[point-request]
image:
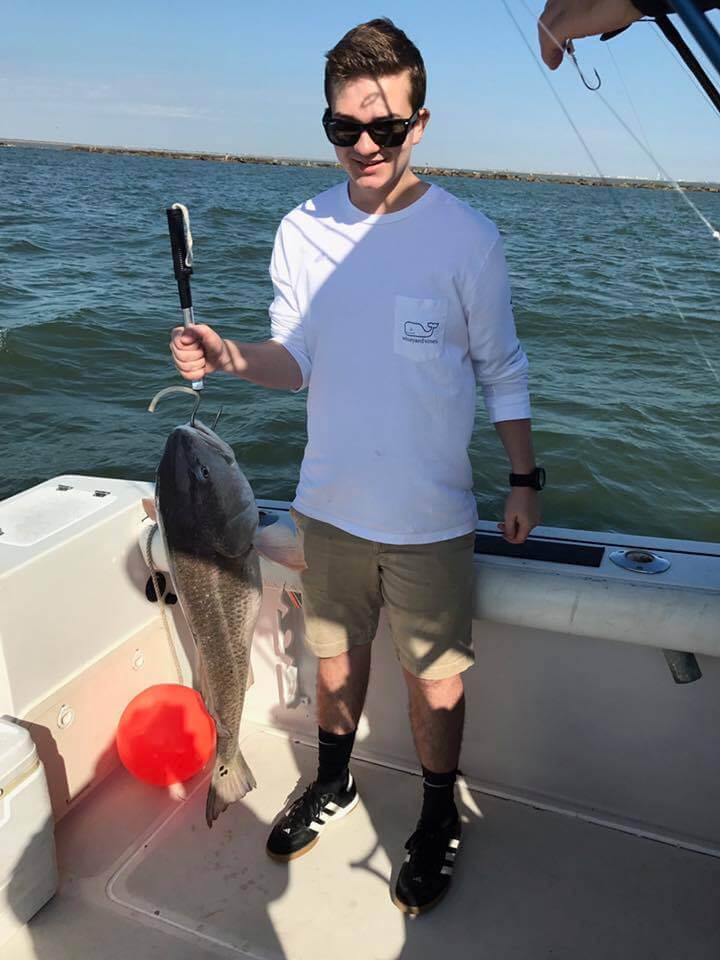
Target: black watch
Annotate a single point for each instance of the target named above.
(536, 479)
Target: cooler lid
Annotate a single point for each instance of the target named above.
(17, 751)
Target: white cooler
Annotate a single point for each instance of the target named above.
(28, 871)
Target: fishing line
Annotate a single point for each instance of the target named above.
(703, 286)
(714, 232)
(629, 96)
(161, 602)
(613, 192)
(683, 69)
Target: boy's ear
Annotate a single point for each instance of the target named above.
(422, 122)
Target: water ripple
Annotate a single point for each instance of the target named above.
(625, 409)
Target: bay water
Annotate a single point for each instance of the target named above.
(616, 296)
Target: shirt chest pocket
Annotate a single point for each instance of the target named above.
(419, 328)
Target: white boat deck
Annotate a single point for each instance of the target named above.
(142, 877)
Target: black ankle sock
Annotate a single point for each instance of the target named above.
(438, 797)
(334, 751)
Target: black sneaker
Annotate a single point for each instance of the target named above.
(425, 875)
(299, 828)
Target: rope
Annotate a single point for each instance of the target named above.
(161, 603)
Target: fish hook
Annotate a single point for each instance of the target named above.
(198, 398)
(570, 51)
(215, 421)
(164, 392)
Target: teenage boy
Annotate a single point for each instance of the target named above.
(391, 300)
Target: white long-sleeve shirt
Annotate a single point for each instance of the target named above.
(392, 319)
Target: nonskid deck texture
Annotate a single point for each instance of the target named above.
(143, 877)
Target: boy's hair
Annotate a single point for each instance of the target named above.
(375, 49)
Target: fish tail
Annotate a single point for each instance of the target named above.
(230, 782)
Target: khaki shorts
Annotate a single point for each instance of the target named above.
(427, 589)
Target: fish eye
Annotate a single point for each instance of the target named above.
(205, 472)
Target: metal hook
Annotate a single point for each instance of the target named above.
(570, 51)
(198, 398)
(163, 393)
(215, 421)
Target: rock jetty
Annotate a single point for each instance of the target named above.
(427, 171)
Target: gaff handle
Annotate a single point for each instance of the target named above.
(179, 247)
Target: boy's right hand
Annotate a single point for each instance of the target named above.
(197, 351)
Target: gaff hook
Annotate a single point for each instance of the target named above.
(569, 49)
(167, 390)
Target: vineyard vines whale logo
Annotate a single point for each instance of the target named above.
(420, 331)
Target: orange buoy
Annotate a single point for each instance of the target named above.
(165, 734)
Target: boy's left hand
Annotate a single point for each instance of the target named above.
(522, 513)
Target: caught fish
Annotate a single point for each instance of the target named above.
(208, 516)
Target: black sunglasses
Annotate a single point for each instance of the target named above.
(385, 132)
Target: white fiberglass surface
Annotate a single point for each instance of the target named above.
(46, 510)
(528, 884)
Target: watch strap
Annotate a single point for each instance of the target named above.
(535, 479)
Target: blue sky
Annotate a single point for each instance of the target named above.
(247, 78)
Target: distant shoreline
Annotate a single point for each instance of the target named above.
(507, 175)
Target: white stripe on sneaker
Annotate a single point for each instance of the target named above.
(447, 871)
(344, 811)
(454, 844)
(325, 816)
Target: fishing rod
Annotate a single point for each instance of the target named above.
(701, 28)
(674, 37)
(181, 245)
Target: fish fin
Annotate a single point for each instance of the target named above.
(250, 677)
(281, 542)
(204, 686)
(177, 791)
(149, 507)
(230, 782)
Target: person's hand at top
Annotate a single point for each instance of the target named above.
(564, 20)
(197, 351)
